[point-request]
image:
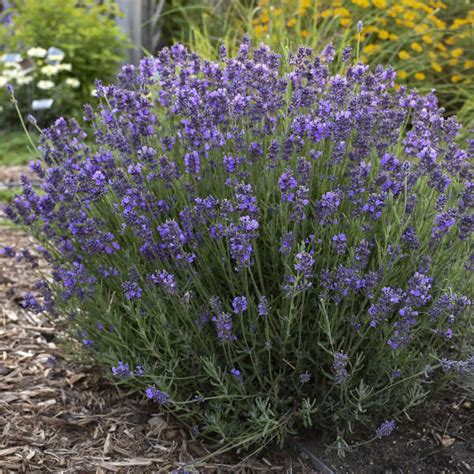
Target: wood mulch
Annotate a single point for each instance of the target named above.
(10, 176)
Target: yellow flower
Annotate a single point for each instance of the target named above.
(326, 13)
(384, 34)
(304, 33)
(453, 62)
(370, 29)
(345, 22)
(441, 47)
(277, 12)
(393, 37)
(421, 28)
(291, 22)
(410, 24)
(404, 54)
(456, 78)
(420, 76)
(261, 29)
(361, 3)
(468, 64)
(436, 67)
(440, 24)
(379, 3)
(425, 8)
(457, 23)
(456, 53)
(341, 11)
(371, 48)
(402, 74)
(409, 15)
(428, 39)
(264, 18)
(417, 47)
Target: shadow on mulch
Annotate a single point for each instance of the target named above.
(58, 416)
(437, 439)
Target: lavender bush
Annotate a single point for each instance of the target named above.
(260, 243)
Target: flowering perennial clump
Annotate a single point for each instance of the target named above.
(257, 244)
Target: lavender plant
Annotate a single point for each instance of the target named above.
(260, 243)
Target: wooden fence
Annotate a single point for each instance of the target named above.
(141, 23)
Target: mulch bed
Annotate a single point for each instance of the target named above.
(60, 416)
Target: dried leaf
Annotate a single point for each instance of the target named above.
(76, 378)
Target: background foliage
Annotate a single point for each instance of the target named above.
(86, 31)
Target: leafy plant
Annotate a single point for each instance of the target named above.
(39, 77)
(260, 243)
(87, 31)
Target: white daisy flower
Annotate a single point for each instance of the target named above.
(45, 85)
(36, 52)
(73, 82)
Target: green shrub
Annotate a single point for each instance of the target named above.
(260, 244)
(37, 75)
(86, 31)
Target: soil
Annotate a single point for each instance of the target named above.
(59, 416)
(437, 439)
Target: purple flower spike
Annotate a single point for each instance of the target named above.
(385, 429)
(305, 377)
(157, 396)
(122, 370)
(239, 304)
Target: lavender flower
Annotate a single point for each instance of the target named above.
(304, 264)
(305, 377)
(385, 429)
(192, 162)
(157, 396)
(239, 304)
(459, 366)
(341, 359)
(287, 184)
(328, 206)
(443, 222)
(340, 243)
(346, 54)
(263, 306)
(237, 375)
(7, 251)
(223, 324)
(131, 290)
(165, 280)
(287, 243)
(122, 370)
